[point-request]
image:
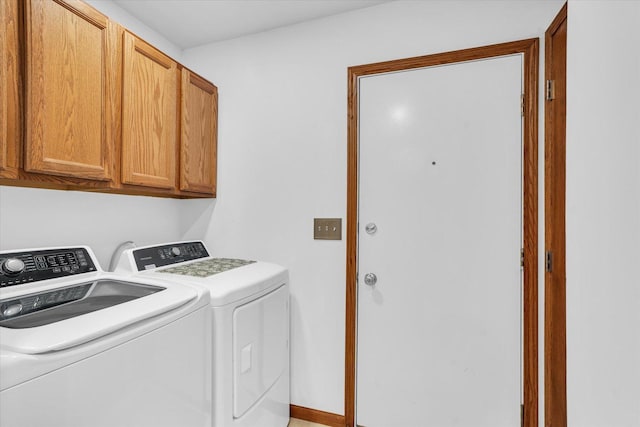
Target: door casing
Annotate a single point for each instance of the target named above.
(530, 50)
(555, 322)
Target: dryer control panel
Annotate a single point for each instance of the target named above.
(153, 257)
(17, 268)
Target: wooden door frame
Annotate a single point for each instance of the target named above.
(529, 49)
(555, 310)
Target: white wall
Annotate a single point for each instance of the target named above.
(603, 214)
(37, 217)
(282, 148)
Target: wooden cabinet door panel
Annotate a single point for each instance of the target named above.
(149, 116)
(10, 84)
(71, 91)
(198, 139)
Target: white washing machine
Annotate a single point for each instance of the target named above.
(83, 348)
(250, 312)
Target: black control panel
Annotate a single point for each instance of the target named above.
(160, 256)
(31, 303)
(17, 268)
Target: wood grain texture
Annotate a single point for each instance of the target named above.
(31, 180)
(73, 140)
(530, 235)
(69, 56)
(39, 180)
(352, 250)
(316, 416)
(198, 134)
(529, 49)
(11, 84)
(114, 113)
(149, 116)
(555, 372)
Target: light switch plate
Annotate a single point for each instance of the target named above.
(327, 228)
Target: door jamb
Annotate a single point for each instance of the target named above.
(530, 50)
(555, 322)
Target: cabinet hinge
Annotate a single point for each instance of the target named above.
(522, 105)
(521, 257)
(549, 261)
(551, 90)
(521, 415)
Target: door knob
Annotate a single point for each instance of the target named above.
(370, 279)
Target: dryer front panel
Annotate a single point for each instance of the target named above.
(260, 347)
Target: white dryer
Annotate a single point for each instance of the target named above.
(80, 347)
(250, 312)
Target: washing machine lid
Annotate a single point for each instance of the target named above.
(85, 311)
(227, 280)
(232, 285)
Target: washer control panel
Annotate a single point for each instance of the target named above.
(159, 256)
(36, 302)
(17, 268)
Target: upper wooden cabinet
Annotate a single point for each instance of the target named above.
(72, 73)
(149, 115)
(86, 105)
(198, 134)
(10, 124)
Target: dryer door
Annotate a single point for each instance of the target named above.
(260, 347)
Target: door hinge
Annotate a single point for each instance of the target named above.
(521, 415)
(551, 90)
(521, 257)
(522, 105)
(549, 261)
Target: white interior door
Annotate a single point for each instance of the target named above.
(439, 334)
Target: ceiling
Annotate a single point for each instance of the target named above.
(189, 23)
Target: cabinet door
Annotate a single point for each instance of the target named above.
(10, 84)
(149, 116)
(198, 136)
(72, 89)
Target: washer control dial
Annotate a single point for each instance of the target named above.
(175, 251)
(12, 266)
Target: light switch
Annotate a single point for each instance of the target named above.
(327, 228)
